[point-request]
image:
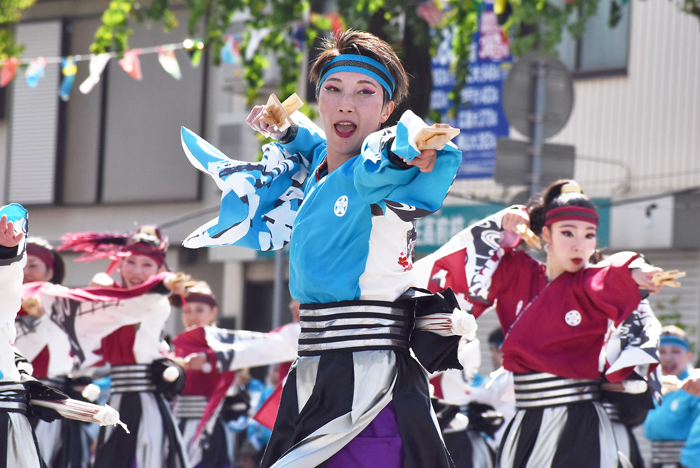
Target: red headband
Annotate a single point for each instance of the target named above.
(140, 248)
(203, 298)
(137, 248)
(44, 254)
(576, 213)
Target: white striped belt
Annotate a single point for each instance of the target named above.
(666, 451)
(13, 398)
(354, 326)
(542, 389)
(132, 378)
(190, 406)
(613, 412)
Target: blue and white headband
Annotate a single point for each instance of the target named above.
(359, 64)
(672, 340)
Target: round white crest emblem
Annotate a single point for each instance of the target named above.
(573, 318)
(341, 206)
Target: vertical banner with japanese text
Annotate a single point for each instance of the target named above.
(481, 118)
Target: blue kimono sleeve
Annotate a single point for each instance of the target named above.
(407, 192)
(690, 455)
(304, 139)
(259, 199)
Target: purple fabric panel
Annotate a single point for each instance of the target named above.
(378, 445)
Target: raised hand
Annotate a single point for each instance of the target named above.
(255, 122)
(692, 384)
(8, 238)
(425, 161)
(32, 306)
(514, 218)
(644, 277)
(176, 282)
(195, 361)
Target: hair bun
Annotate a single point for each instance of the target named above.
(198, 287)
(571, 187)
(149, 230)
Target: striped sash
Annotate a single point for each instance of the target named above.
(13, 398)
(541, 390)
(190, 406)
(666, 451)
(613, 412)
(132, 378)
(354, 326)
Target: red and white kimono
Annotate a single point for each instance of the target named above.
(41, 341)
(64, 442)
(18, 445)
(124, 327)
(555, 336)
(199, 404)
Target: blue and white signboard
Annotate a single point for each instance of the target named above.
(481, 118)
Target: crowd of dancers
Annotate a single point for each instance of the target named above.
(378, 367)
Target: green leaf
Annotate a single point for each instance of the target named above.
(615, 14)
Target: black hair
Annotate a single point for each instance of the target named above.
(496, 336)
(363, 43)
(59, 266)
(551, 198)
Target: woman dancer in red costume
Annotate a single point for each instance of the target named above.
(63, 443)
(123, 325)
(556, 317)
(211, 356)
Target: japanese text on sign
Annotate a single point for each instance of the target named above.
(481, 118)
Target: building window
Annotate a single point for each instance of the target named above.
(120, 143)
(601, 50)
(34, 128)
(123, 138)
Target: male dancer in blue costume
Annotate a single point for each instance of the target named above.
(355, 396)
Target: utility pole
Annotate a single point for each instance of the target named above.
(539, 72)
(278, 290)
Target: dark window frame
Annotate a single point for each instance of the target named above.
(593, 73)
(61, 145)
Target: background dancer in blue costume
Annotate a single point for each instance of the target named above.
(355, 396)
(674, 426)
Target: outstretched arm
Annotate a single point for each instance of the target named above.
(259, 199)
(230, 350)
(468, 262)
(302, 138)
(394, 175)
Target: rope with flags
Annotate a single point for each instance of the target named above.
(131, 64)
(432, 11)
